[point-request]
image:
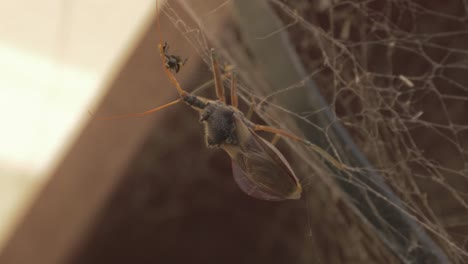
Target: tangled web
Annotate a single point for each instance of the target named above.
(394, 75)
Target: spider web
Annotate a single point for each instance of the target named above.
(393, 74)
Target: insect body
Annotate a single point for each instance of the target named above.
(259, 168)
(173, 62)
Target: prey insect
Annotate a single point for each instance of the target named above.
(173, 62)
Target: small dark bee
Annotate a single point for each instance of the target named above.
(173, 62)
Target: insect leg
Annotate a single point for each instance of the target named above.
(251, 108)
(320, 151)
(234, 99)
(217, 77)
(277, 137)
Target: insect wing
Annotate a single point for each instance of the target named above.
(262, 172)
(251, 188)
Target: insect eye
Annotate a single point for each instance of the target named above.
(205, 115)
(211, 142)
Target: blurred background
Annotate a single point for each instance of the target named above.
(57, 58)
(379, 84)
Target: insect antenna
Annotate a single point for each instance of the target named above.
(138, 114)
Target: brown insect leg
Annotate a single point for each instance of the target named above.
(251, 108)
(314, 147)
(234, 99)
(217, 77)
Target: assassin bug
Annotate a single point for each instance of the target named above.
(258, 167)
